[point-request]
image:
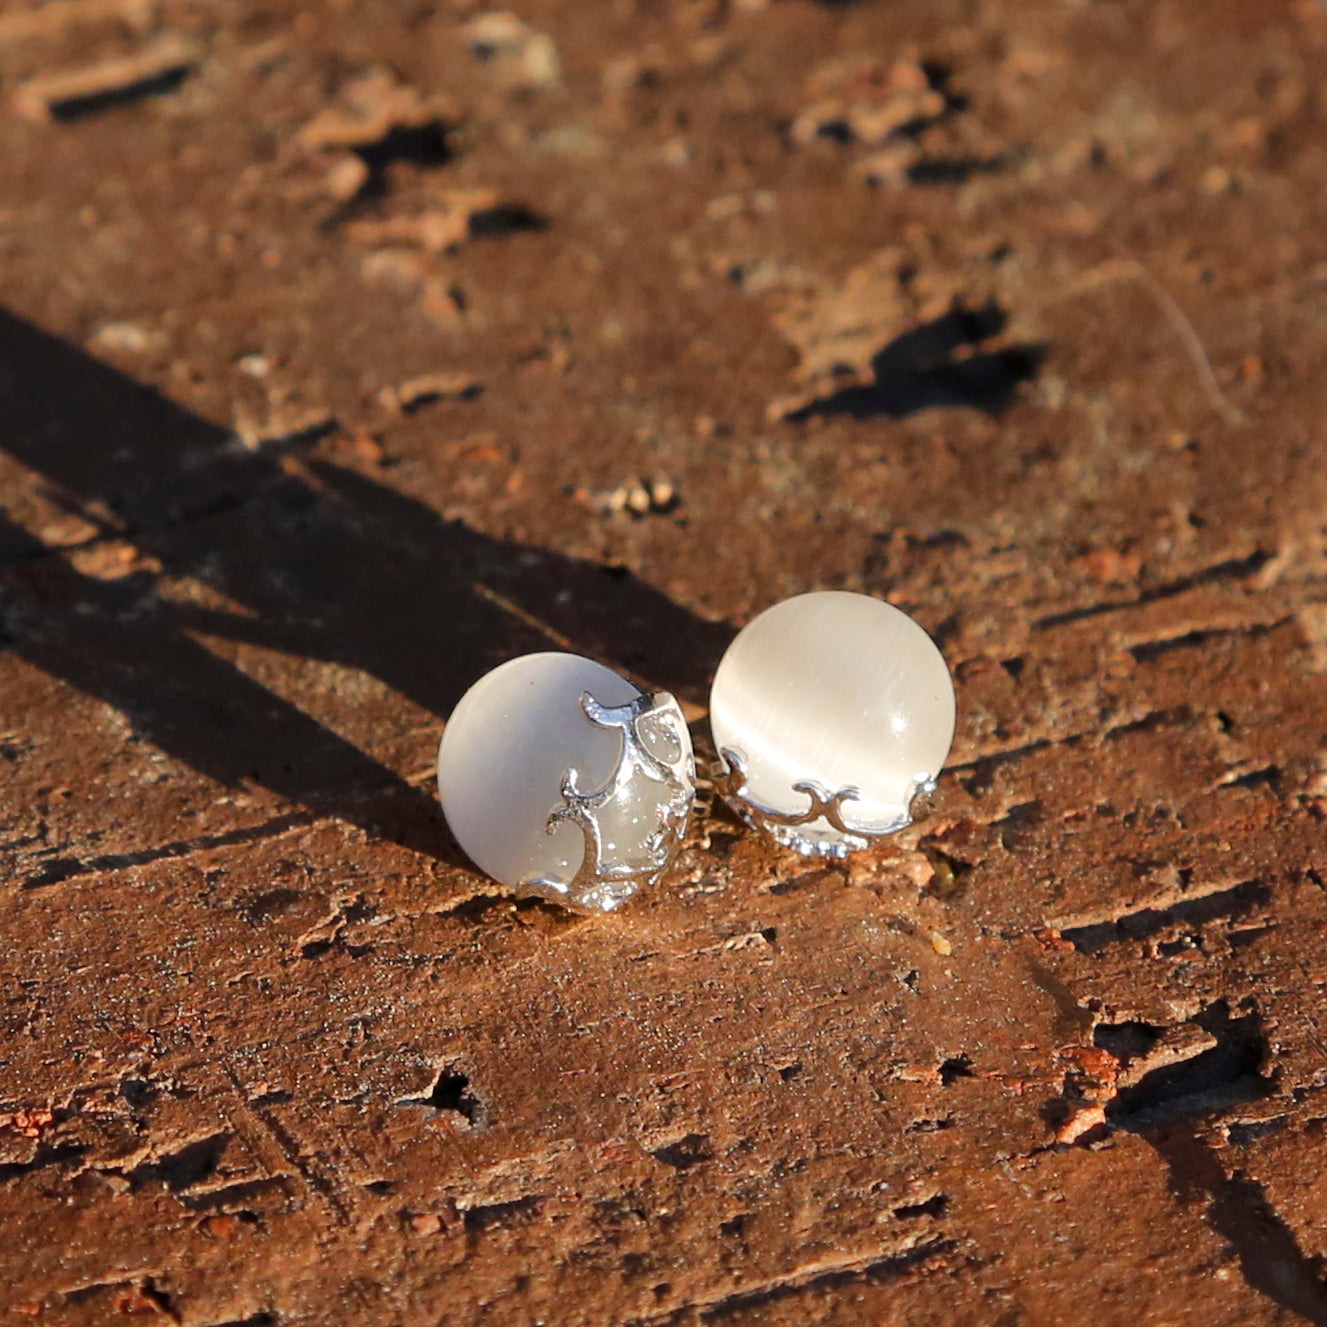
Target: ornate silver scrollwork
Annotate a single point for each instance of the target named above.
(610, 872)
(797, 829)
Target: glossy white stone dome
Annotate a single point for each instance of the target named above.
(840, 690)
(507, 750)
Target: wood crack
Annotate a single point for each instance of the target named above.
(812, 1279)
(63, 869)
(1227, 570)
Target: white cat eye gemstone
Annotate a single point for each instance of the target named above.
(832, 712)
(560, 778)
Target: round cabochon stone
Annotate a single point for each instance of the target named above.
(512, 743)
(839, 690)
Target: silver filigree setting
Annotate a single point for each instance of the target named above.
(821, 830)
(656, 748)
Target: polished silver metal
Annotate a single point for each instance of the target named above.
(797, 829)
(604, 880)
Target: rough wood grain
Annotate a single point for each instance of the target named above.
(1014, 313)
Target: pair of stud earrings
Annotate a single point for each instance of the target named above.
(831, 712)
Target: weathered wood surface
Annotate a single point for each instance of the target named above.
(1015, 313)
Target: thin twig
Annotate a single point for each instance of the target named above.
(1132, 269)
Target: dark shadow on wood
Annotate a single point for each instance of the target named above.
(952, 170)
(940, 363)
(1166, 1108)
(70, 109)
(1239, 1210)
(329, 565)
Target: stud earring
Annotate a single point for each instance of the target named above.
(832, 712)
(562, 780)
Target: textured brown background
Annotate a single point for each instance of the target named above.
(1012, 311)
